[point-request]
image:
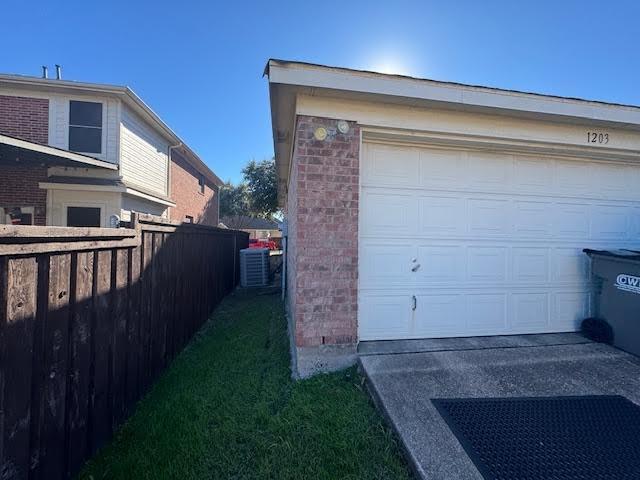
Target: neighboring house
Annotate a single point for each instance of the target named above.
(425, 209)
(259, 228)
(78, 154)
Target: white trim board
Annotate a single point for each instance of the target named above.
(402, 87)
(83, 187)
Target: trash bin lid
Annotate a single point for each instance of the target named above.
(622, 253)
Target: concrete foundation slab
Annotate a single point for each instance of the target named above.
(325, 358)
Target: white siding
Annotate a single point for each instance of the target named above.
(143, 154)
(135, 204)
(59, 124)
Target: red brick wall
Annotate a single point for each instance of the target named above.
(291, 213)
(26, 118)
(323, 229)
(19, 188)
(185, 192)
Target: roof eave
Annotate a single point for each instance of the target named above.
(82, 160)
(351, 80)
(289, 79)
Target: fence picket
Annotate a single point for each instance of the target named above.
(119, 349)
(55, 375)
(79, 359)
(88, 320)
(20, 303)
(133, 329)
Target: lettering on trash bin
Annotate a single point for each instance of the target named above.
(628, 283)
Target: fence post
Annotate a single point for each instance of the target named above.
(235, 259)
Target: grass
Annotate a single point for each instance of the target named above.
(228, 409)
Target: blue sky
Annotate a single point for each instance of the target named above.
(199, 63)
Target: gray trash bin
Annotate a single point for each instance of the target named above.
(617, 274)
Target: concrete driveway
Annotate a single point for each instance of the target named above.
(404, 376)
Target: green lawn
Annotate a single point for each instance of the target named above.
(227, 408)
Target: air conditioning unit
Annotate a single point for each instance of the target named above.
(254, 267)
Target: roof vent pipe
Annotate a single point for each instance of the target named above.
(58, 72)
(45, 71)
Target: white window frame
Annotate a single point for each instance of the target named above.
(101, 206)
(103, 135)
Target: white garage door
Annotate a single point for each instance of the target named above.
(495, 240)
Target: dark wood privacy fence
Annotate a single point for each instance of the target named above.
(88, 319)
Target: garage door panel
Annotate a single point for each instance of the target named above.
(441, 216)
(570, 308)
(441, 264)
(635, 223)
(575, 178)
(616, 181)
(533, 175)
(487, 264)
(610, 222)
(532, 219)
(531, 265)
(385, 316)
(486, 312)
(489, 171)
(489, 217)
(439, 168)
(384, 213)
(570, 265)
(385, 264)
(571, 220)
(439, 315)
(392, 166)
(633, 177)
(498, 238)
(530, 312)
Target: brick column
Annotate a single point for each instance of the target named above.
(323, 222)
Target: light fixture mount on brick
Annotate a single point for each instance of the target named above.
(320, 133)
(343, 126)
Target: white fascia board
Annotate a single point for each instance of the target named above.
(146, 196)
(57, 152)
(429, 90)
(83, 187)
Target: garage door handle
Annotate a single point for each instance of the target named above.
(414, 302)
(415, 268)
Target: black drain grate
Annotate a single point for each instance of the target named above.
(548, 438)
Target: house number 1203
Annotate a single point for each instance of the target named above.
(598, 137)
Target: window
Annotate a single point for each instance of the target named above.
(85, 127)
(17, 215)
(188, 219)
(83, 216)
(201, 183)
